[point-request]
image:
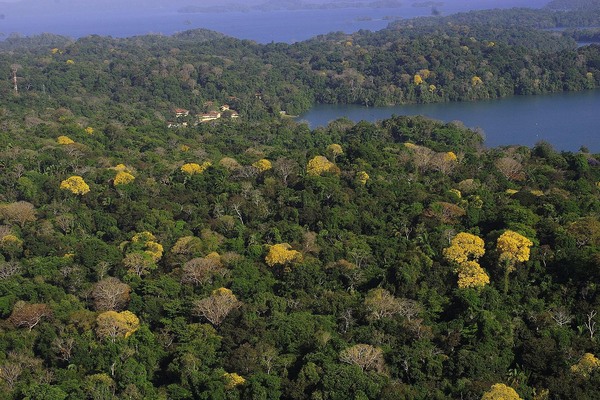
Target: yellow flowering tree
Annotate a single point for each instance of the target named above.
(335, 150)
(445, 162)
(362, 177)
(319, 165)
(11, 245)
(417, 79)
(111, 325)
(123, 178)
(500, 391)
(154, 250)
(586, 365)
(89, 130)
(232, 380)
(193, 168)
(64, 140)
(146, 242)
(143, 237)
(513, 248)
(282, 254)
(456, 193)
(465, 249)
(121, 167)
(450, 156)
(75, 184)
(262, 165)
(471, 275)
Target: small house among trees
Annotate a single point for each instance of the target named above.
(209, 116)
(181, 112)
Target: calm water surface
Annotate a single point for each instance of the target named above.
(261, 26)
(566, 120)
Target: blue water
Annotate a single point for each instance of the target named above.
(263, 27)
(260, 26)
(566, 120)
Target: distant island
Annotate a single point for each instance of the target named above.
(273, 5)
(574, 5)
(425, 4)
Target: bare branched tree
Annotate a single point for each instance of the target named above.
(110, 294)
(561, 316)
(216, 307)
(367, 357)
(590, 324)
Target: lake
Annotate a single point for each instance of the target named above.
(566, 120)
(261, 26)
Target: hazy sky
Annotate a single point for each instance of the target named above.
(170, 3)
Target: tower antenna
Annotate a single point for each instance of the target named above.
(14, 68)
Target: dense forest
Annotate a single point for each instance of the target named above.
(255, 258)
(472, 56)
(569, 5)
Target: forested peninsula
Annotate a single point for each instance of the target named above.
(150, 249)
(465, 57)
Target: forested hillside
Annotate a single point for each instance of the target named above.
(264, 260)
(145, 255)
(470, 56)
(585, 5)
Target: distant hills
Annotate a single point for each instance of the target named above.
(574, 5)
(276, 5)
(193, 6)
